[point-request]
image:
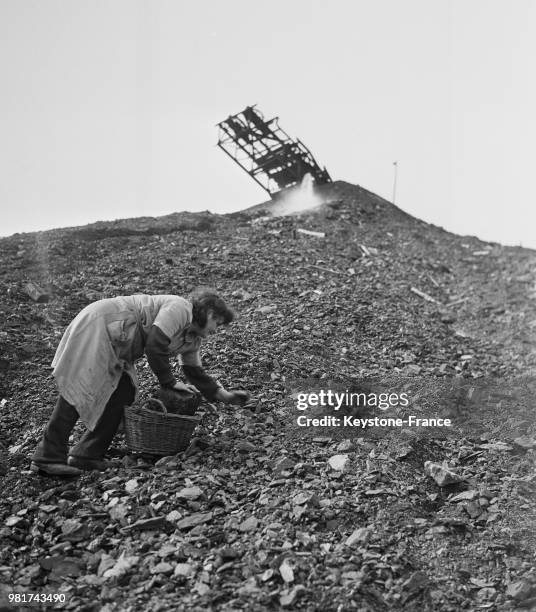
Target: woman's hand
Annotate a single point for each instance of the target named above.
(240, 397)
(182, 387)
(232, 397)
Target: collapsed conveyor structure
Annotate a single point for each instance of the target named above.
(266, 152)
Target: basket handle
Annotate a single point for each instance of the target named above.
(185, 393)
(160, 403)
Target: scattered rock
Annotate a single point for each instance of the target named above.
(345, 446)
(183, 569)
(286, 571)
(122, 566)
(194, 519)
(441, 474)
(524, 443)
(131, 485)
(74, 531)
(229, 553)
(305, 498)
(496, 446)
(403, 452)
(338, 462)
(250, 524)
(243, 446)
(288, 598)
(154, 523)
(13, 521)
(486, 594)
(464, 496)
(118, 512)
(520, 590)
(61, 567)
(415, 583)
(283, 465)
(190, 493)
(242, 294)
(174, 516)
(35, 292)
(359, 536)
(162, 568)
(267, 309)
(473, 509)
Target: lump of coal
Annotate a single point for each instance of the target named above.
(179, 402)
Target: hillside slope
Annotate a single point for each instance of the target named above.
(380, 295)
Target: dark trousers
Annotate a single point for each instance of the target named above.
(54, 445)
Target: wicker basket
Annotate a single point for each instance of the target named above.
(157, 432)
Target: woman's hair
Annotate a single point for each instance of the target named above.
(205, 299)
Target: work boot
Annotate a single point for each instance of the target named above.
(55, 469)
(84, 463)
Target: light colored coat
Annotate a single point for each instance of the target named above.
(105, 339)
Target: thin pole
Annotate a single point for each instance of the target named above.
(395, 164)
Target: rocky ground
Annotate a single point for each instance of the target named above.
(262, 514)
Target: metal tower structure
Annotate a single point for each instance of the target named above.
(266, 152)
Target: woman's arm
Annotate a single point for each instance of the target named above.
(157, 351)
(192, 366)
(196, 375)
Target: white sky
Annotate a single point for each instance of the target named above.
(108, 108)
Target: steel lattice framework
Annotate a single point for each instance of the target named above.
(266, 152)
